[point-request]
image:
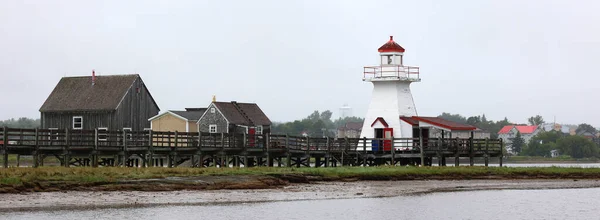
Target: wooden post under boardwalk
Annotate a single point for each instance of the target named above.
(36, 159)
(486, 152)
(364, 151)
(471, 159)
(5, 148)
(421, 146)
(66, 153)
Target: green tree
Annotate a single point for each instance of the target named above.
(542, 144)
(586, 128)
(536, 120)
(22, 122)
(453, 117)
(577, 147)
(517, 143)
(474, 120)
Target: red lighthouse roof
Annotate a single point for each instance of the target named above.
(391, 46)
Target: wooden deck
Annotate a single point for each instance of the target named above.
(149, 148)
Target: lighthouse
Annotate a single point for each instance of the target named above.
(391, 97)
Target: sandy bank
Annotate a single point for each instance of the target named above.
(319, 190)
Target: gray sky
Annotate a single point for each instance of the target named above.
(502, 58)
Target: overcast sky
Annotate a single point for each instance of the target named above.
(503, 58)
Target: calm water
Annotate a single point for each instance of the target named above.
(500, 204)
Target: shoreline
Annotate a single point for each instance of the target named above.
(86, 200)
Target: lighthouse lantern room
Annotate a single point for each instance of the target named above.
(391, 97)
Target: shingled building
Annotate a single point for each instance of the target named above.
(111, 102)
(234, 117)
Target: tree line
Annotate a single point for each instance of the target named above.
(22, 122)
(317, 124)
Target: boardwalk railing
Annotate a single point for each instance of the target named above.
(97, 142)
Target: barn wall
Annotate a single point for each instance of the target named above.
(91, 120)
(136, 108)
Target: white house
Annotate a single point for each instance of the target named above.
(507, 133)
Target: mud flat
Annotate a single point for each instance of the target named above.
(75, 200)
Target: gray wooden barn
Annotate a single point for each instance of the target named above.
(110, 102)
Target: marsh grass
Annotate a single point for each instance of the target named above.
(19, 176)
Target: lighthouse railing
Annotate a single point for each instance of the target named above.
(392, 71)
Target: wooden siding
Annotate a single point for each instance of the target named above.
(136, 108)
(168, 122)
(193, 126)
(91, 120)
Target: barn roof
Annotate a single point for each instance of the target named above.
(243, 113)
(78, 93)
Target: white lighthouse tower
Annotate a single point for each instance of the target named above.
(391, 98)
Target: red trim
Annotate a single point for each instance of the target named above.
(409, 120)
(380, 119)
(460, 127)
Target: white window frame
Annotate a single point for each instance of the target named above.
(105, 134)
(129, 135)
(211, 127)
(258, 129)
(54, 134)
(212, 110)
(80, 123)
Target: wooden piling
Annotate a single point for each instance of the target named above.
(421, 146)
(486, 152)
(364, 151)
(471, 156)
(95, 151)
(66, 153)
(288, 154)
(393, 152)
(36, 159)
(150, 152)
(5, 148)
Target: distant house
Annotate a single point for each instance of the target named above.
(350, 130)
(587, 134)
(507, 133)
(554, 153)
(112, 102)
(234, 117)
(182, 121)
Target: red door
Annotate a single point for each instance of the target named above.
(388, 134)
(251, 137)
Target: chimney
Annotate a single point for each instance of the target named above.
(391, 38)
(93, 77)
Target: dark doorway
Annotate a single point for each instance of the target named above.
(377, 144)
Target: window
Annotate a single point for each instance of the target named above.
(212, 128)
(77, 122)
(102, 134)
(259, 129)
(212, 110)
(54, 133)
(128, 133)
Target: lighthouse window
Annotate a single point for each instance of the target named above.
(389, 59)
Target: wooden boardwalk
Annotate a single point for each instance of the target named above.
(150, 148)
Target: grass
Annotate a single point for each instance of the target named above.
(21, 176)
